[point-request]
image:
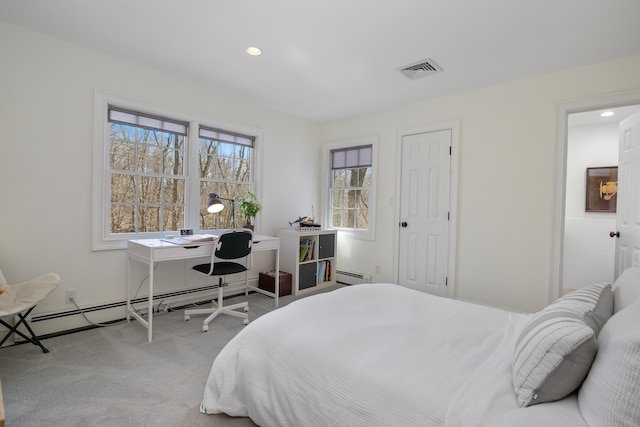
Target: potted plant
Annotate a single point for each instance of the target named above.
(250, 207)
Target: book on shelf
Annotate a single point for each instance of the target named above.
(312, 250)
(304, 246)
(324, 271)
(321, 271)
(307, 249)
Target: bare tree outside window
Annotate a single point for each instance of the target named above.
(147, 190)
(350, 201)
(153, 173)
(350, 184)
(225, 169)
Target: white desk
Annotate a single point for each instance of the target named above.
(150, 251)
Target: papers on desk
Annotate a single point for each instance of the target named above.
(195, 238)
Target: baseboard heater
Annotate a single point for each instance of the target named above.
(157, 298)
(352, 278)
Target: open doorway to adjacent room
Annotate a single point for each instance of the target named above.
(588, 251)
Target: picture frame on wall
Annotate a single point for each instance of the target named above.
(602, 189)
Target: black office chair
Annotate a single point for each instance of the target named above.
(232, 254)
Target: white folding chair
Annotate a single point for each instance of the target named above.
(20, 299)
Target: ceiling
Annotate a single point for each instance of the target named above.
(331, 59)
(594, 117)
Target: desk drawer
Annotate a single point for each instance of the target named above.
(266, 244)
(182, 252)
(151, 250)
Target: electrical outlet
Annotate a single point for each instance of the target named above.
(71, 295)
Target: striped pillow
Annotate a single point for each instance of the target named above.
(593, 304)
(552, 357)
(557, 346)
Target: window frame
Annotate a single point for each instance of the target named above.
(140, 123)
(237, 140)
(101, 236)
(327, 171)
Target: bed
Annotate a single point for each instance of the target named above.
(381, 355)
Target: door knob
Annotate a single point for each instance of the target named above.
(403, 224)
(616, 234)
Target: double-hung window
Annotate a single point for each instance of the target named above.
(153, 173)
(146, 172)
(225, 160)
(351, 198)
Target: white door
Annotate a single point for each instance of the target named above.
(424, 211)
(628, 207)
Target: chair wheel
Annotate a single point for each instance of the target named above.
(205, 328)
(245, 321)
(246, 309)
(187, 317)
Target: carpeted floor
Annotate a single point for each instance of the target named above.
(111, 376)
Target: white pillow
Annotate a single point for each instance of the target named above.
(626, 289)
(610, 395)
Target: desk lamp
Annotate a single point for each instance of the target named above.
(215, 205)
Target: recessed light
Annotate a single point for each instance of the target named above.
(254, 51)
(607, 114)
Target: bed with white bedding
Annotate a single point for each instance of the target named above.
(381, 355)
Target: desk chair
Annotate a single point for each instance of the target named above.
(232, 254)
(20, 299)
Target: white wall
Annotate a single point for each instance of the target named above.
(46, 126)
(507, 180)
(589, 252)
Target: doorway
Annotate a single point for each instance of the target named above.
(585, 253)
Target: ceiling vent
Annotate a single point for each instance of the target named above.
(423, 68)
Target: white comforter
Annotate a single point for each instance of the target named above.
(369, 355)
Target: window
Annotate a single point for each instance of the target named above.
(351, 189)
(153, 172)
(146, 173)
(225, 169)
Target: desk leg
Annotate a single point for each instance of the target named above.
(129, 290)
(277, 276)
(150, 308)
